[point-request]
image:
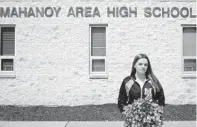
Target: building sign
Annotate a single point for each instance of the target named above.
(37, 12)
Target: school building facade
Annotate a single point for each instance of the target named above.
(55, 55)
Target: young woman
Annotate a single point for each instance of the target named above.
(134, 86)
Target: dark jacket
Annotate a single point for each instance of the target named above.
(128, 95)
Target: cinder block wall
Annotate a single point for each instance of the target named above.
(52, 54)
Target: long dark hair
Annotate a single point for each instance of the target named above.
(149, 73)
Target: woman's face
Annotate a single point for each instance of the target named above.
(141, 66)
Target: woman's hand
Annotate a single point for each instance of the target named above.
(125, 109)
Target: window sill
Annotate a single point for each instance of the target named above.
(185, 75)
(7, 75)
(98, 76)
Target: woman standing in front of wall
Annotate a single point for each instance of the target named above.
(134, 87)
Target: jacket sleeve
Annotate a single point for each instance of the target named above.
(161, 97)
(122, 98)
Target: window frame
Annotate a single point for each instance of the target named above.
(97, 75)
(186, 74)
(8, 74)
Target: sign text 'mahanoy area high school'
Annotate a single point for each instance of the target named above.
(37, 12)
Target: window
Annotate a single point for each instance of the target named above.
(189, 50)
(98, 51)
(7, 49)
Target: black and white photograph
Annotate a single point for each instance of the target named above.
(98, 63)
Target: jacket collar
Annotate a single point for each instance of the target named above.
(147, 79)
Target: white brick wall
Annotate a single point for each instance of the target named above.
(52, 55)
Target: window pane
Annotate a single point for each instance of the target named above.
(98, 41)
(7, 64)
(189, 65)
(189, 41)
(7, 40)
(98, 51)
(98, 65)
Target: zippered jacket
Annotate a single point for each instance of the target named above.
(130, 90)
